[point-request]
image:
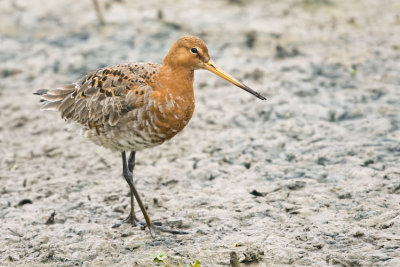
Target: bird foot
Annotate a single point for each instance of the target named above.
(154, 227)
(169, 230)
(157, 226)
(131, 219)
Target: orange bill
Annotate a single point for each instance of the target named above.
(210, 65)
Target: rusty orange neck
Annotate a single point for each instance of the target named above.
(177, 81)
(173, 93)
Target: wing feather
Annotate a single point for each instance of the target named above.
(103, 96)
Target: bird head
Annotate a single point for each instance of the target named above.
(191, 52)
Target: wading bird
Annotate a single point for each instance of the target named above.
(131, 107)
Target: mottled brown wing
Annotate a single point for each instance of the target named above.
(103, 96)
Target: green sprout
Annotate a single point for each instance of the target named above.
(353, 70)
(195, 263)
(162, 259)
(159, 258)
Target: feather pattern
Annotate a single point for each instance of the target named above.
(101, 96)
(122, 107)
(100, 100)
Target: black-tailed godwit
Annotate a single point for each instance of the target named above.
(131, 107)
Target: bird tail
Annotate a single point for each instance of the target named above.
(52, 99)
(41, 92)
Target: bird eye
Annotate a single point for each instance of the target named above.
(193, 50)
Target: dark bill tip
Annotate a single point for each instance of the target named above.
(251, 91)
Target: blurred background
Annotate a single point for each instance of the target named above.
(58, 41)
(309, 177)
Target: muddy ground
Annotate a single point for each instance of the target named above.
(310, 177)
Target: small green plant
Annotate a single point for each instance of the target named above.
(195, 263)
(162, 259)
(353, 70)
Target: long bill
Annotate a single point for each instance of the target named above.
(210, 66)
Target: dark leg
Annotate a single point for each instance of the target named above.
(131, 165)
(131, 161)
(128, 175)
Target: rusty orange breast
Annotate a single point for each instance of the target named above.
(172, 100)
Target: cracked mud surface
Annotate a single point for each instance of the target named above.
(309, 177)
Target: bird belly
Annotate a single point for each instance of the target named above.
(144, 127)
(133, 132)
(116, 139)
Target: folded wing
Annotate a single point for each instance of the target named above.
(103, 96)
